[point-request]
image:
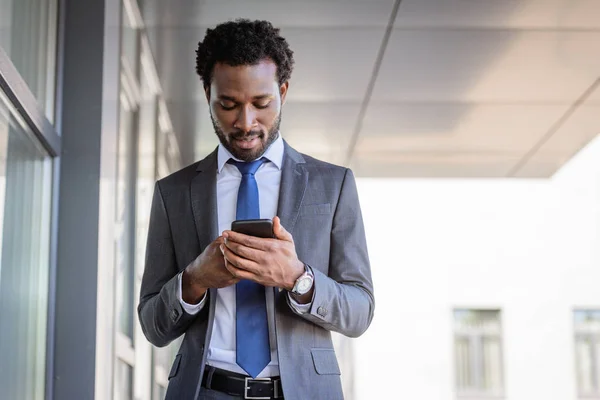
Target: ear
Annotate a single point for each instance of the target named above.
(283, 89)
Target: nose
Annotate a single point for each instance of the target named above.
(246, 119)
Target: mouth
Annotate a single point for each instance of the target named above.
(247, 142)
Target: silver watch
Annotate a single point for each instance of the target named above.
(304, 283)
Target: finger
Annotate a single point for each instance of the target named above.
(248, 241)
(239, 262)
(239, 274)
(243, 251)
(280, 232)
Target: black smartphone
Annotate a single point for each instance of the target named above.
(262, 228)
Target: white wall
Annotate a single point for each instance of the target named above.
(531, 248)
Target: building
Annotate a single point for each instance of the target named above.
(490, 290)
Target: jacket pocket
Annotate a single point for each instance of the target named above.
(175, 367)
(325, 361)
(315, 209)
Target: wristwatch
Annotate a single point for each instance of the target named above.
(304, 283)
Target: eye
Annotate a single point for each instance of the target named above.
(227, 105)
(263, 105)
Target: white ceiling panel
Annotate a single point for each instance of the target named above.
(488, 66)
(448, 127)
(572, 136)
(503, 14)
(306, 13)
(332, 64)
(595, 96)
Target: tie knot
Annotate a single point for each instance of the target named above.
(248, 167)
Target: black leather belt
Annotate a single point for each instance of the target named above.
(243, 386)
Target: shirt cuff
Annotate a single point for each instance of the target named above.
(300, 308)
(191, 309)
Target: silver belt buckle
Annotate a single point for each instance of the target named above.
(247, 380)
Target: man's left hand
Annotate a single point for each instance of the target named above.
(270, 262)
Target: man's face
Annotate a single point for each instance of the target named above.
(245, 107)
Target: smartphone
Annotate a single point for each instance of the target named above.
(262, 228)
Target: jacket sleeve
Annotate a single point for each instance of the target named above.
(343, 299)
(160, 312)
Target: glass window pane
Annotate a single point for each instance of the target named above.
(124, 260)
(587, 351)
(463, 367)
(123, 381)
(587, 320)
(146, 167)
(585, 372)
(25, 183)
(28, 35)
(130, 45)
(484, 320)
(492, 364)
(159, 392)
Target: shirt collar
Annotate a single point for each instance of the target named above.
(274, 154)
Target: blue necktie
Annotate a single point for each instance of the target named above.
(253, 352)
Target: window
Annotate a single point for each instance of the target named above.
(28, 35)
(478, 353)
(163, 359)
(127, 384)
(25, 188)
(587, 352)
(159, 392)
(124, 218)
(123, 381)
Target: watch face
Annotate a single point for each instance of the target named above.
(304, 285)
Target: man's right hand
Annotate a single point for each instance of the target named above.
(206, 271)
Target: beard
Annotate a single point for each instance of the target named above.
(247, 155)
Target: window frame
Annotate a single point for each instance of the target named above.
(18, 93)
(475, 343)
(592, 333)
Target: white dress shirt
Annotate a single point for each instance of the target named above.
(222, 348)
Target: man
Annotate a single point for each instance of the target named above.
(256, 313)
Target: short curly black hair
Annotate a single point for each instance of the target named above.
(243, 42)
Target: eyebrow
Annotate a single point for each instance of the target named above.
(259, 97)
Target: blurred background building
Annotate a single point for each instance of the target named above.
(486, 267)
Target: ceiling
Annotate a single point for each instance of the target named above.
(410, 88)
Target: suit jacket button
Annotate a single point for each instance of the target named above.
(322, 311)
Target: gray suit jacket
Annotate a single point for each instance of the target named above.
(318, 205)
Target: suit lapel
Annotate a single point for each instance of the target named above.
(294, 179)
(203, 192)
(204, 200)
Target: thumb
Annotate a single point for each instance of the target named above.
(280, 232)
